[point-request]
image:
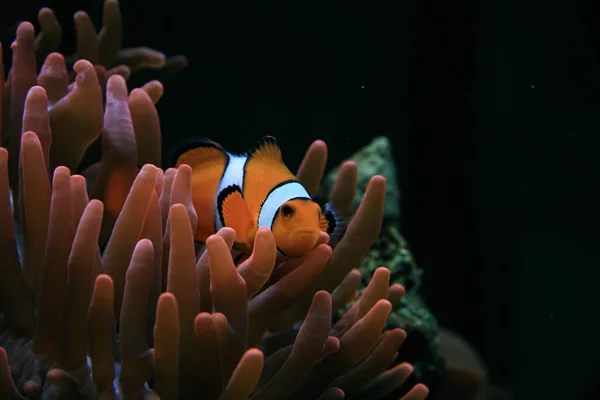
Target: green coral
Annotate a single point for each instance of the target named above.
(374, 159)
(392, 251)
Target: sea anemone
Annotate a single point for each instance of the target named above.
(104, 295)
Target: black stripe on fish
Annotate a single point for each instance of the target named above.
(221, 198)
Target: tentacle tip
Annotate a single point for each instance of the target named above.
(408, 367)
(103, 279)
(83, 66)
(400, 288)
(212, 240)
(255, 354)
(383, 270)
(202, 318)
(384, 303)
(350, 164)
(80, 15)
(148, 168)
(137, 93)
(117, 80)
(185, 168)
(226, 229)
(167, 296)
(378, 179)
(264, 230)
(36, 91)
(319, 143)
(61, 169)
(401, 332)
(45, 15)
(422, 388)
(96, 203)
(180, 210)
(25, 30)
(158, 84)
(322, 295)
(54, 57)
(332, 345)
(31, 388)
(29, 137)
(144, 244)
(325, 248)
(356, 272)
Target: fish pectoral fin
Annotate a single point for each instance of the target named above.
(324, 224)
(235, 214)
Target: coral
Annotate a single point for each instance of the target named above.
(374, 159)
(392, 250)
(412, 314)
(104, 295)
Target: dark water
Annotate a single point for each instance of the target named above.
(493, 111)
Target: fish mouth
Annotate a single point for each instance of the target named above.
(301, 242)
(303, 235)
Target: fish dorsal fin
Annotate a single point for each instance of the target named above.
(263, 171)
(266, 150)
(203, 152)
(234, 213)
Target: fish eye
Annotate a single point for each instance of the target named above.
(287, 210)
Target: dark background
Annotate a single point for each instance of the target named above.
(493, 111)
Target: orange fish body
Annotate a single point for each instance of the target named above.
(249, 191)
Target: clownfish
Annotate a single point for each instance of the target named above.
(253, 190)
